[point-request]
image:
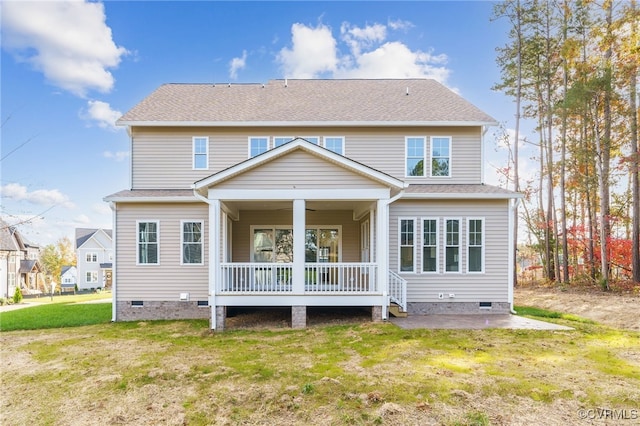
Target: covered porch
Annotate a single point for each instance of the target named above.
(299, 242)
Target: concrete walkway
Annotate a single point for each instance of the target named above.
(473, 322)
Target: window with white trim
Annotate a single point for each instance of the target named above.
(313, 139)
(258, 145)
(192, 242)
(430, 245)
(281, 140)
(91, 277)
(475, 245)
(11, 279)
(200, 152)
(415, 156)
(407, 246)
(147, 247)
(91, 257)
(335, 144)
(440, 156)
(452, 245)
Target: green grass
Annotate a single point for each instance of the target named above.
(543, 313)
(55, 315)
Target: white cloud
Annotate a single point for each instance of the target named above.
(313, 52)
(102, 114)
(237, 64)
(68, 41)
(368, 54)
(117, 156)
(19, 192)
(399, 24)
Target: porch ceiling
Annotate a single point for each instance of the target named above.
(313, 205)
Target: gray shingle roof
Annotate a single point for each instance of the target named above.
(456, 190)
(83, 234)
(307, 101)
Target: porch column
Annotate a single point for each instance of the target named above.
(299, 225)
(382, 252)
(214, 256)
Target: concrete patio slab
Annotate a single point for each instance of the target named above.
(474, 322)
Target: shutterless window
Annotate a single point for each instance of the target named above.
(407, 244)
(415, 156)
(258, 145)
(148, 241)
(440, 156)
(430, 245)
(92, 277)
(92, 257)
(313, 139)
(452, 245)
(335, 144)
(475, 246)
(200, 153)
(192, 243)
(281, 140)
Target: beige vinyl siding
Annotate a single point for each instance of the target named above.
(168, 279)
(242, 238)
(490, 286)
(301, 170)
(162, 157)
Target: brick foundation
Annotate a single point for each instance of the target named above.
(376, 313)
(460, 308)
(298, 317)
(161, 310)
(221, 316)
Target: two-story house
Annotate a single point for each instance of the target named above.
(19, 264)
(303, 193)
(94, 258)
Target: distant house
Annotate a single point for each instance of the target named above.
(68, 278)
(94, 252)
(19, 265)
(303, 193)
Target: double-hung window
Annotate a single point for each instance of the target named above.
(440, 156)
(430, 245)
(192, 242)
(475, 245)
(407, 233)
(91, 277)
(335, 144)
(200, 153)
(148, 243)
(452, 245)
(313, 139)
(258, 145)
(414, 149)
(281, 140)
(91, 257)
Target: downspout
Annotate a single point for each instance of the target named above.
(114, 299)
(385, 289)
(512, 209)
(212, 294)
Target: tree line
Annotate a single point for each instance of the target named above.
(572, 69)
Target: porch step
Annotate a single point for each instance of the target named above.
(396, 312)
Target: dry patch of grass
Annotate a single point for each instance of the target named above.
(175, 372)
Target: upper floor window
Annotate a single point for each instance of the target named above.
(430, 245)
(415, 156)
(440, 156)
(258, 145)
(475, 245)
(148, 241)
(192, 242)
(335, 144)
(281, 140)
(200, 153)
(313, 139)
(452, 245)
(407, 245)
(92, 257)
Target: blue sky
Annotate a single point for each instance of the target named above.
(70, 68)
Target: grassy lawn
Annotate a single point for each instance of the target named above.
(177, 372)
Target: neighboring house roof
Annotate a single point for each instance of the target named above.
(382, 102)
(65, 269)
(83, 234)
(108, 265)
(459, 191)
(28, 266)
(7, 241)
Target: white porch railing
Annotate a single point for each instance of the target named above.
(398, 290)
(240, 278)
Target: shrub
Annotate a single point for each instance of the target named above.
(17, 295)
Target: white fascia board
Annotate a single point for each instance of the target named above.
(305, 123)
(153, 199)
(461, 196)
(298, 194)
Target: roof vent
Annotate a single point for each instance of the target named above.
(286, 83)
(407, 90)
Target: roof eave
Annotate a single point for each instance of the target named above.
(461, 196)
(151, 123)
(152, 199)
